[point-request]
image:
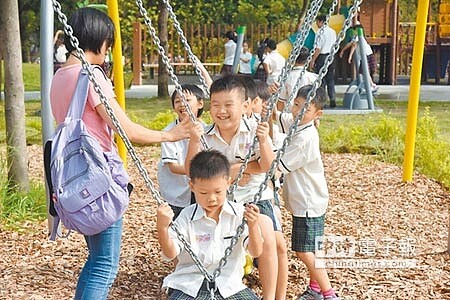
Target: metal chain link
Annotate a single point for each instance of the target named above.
(299, 42)
(317, 83)
(194, 60)
(293, 127)
(168, 66)
(308, 60)
(142, 170)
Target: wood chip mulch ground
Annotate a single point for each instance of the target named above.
(373, 214)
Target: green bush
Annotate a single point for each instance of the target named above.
(385, 137)
(432, 156)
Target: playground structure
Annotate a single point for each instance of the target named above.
(391, 41)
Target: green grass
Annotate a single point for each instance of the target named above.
(31, 76)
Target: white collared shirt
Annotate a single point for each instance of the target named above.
(209, 240)
(230, 50)
(325, 40)
(236, 152)
(276, 63)
(305, 188)
(291, 81)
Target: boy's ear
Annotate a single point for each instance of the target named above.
(191, 185)
(319, 113)
(245, 105)
(201, 103)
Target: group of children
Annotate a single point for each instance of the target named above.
(194, 182)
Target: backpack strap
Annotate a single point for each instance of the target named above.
(78, 102)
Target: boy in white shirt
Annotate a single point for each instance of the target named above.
(273, 63)
(232, 135)
(173, 182)
(305, 191)
(209, 226)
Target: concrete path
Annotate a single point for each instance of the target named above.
(385, 92)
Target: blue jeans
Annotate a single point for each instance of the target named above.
(101, 267)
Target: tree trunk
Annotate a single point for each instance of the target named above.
(17, 160)
(163, 75)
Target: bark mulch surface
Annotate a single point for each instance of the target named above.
(374, 216)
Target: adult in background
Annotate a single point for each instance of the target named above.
(95, 33)
(273, 63)
(230, 50)
(59, 51)
(323, 44)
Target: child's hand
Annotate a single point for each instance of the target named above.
(196, 131)
(179, 132)
(273, 88)
(164, 216)
(262, 131)
(251, 214)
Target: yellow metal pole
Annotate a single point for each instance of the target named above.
(413, 103)
(113, 12)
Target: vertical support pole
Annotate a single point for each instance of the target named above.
(113, 12)
(413, 103)
(392, 77)
(237, 55)
(46, 41)
(137, 51)
(365, 68)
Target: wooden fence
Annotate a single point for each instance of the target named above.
(207, 40)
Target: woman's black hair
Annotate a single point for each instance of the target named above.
(92, 28)
(194, 90)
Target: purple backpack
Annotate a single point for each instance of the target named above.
(89, 185)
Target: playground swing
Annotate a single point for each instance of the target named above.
(155, 193)
(322, 72)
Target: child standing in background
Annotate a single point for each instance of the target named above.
(173, 182)
(305, 192)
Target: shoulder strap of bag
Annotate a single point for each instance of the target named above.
(78, 102)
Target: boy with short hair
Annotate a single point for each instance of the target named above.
(232, 135)
(305, 191)
(173, 182)
(209, 226)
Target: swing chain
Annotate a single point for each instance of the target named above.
(142, 170)
(299, 42)
(168, 66)
(188, 48)
(308, 60)
(310, 96)
(74, 41)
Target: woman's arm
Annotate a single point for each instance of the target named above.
(138, 133)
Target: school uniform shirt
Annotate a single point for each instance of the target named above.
(325, 40)
(230, 49)
(245, 67)
(305, 188)
(209, 240)
(276, 62)
(236, 152)
(174, 187)
(291, 81)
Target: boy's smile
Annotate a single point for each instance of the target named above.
(227, 108)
